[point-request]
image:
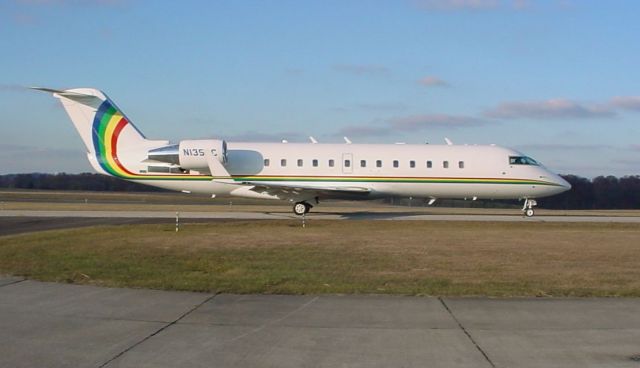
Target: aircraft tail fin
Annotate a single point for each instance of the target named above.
(101, 125)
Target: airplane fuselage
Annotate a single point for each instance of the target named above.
(420, 171)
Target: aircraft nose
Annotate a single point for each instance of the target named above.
(561, 182)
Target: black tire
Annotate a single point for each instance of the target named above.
(529, 212)
(300, 208)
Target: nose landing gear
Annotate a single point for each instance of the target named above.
(301, 208)
(528, 207)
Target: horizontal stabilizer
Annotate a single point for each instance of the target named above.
(58, 91)
(82, 98)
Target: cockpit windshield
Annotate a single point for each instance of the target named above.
(522, 160)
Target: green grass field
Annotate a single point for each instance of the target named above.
(390, 257)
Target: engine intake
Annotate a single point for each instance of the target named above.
(168, 154)
(191, 154)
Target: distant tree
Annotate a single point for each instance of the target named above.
(580, 196)
(603, 192)
(63, 181)
(630, 187)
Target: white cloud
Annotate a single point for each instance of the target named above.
(263, 137)
(457, 4)
(12, 88)
(563, 147)
(411, 123)
(432, 81)
(419, 122)
(26, 159)
(364, 131)
(373, 107)
(548, 110)
(626, 102)
(361, 69)
(70, 2)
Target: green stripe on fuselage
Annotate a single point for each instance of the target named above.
(349, 180)
(394, 180)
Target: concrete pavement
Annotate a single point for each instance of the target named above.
(61, 325)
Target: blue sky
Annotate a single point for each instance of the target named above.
(557, 79)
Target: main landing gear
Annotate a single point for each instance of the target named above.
(301, 208)
(528, 207)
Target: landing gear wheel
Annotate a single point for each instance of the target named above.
(300, 208)
(528, 207)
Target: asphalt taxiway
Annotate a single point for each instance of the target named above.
(357, 215)
(63, 325)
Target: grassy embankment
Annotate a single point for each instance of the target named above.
(395, 257)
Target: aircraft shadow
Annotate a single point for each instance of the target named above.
(370, 215)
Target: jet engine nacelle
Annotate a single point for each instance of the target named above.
(192, 153)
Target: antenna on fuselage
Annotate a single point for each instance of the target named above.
(313, 140)
(347, 140)
(449, 143)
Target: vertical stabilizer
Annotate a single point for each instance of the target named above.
(104, 129)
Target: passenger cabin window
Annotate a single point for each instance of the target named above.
(396, 163)
(461, 164)
(347, 163)
(266, 162)
(283, 162)
(412, 164)
(429, 164)
(378, 163)
(363, 163)
(332, 163)
(522, 160)
(315, 163)
(445, 164)
(299, 162)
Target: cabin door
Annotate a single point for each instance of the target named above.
(347, 163)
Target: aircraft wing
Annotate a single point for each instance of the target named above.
(307, 191)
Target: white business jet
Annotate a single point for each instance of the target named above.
(302, 173)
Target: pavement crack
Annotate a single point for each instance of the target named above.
(484, 354)
(158, 331)
(272, 322)
(13, 282)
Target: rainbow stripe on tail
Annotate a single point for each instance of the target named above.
(108, 124)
